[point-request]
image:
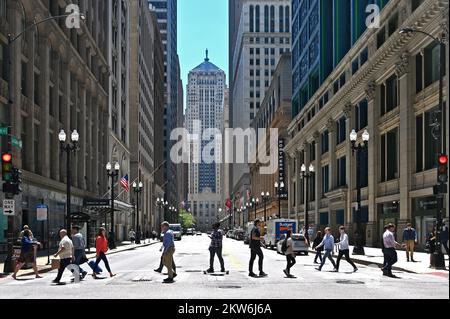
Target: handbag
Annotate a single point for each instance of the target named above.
(55, 264)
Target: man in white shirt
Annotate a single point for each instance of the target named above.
(390, 254)
(65, 253)
(344, 250)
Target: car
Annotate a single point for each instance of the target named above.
(177, 230)
(190, 231)
(239, 234)
(300, 245)
(199, 233)
(230, 233)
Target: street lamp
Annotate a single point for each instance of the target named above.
(255, 203)
(69, 148)
(160, 203)
(439, 134)
(137, 188)
(113, 173)
(306, 175)
(265, 198)
(360, 149)
(279, 188)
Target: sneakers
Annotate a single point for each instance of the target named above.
(335, 270)
(83, 275)
(262, 274)
(174, 275)
(413, 261)
(168, 280)
(210, 271)
(56, 282)
(355, 270)
(223, 270)
(252, 274)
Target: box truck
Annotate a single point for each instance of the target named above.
(277, 227)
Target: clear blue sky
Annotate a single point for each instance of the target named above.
(202, 24)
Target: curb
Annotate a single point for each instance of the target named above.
(47, 268)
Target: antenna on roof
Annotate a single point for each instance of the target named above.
(206, 59)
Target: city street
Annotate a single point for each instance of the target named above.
(136, 278)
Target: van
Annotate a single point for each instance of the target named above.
(276, 228)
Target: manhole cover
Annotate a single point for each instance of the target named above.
(230, 287)
(193, 270)
(350, 282)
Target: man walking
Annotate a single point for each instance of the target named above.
(65, 253)
(390, 254)
(255, 249)
(79, 248)
(409, 239)
(169, 250)
(328, 245)
(344, 250)
(216, 248)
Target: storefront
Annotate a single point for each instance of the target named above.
(423, 217)
(388, 212)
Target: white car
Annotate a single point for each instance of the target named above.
(300, 245)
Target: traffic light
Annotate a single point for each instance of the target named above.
(16, 181)
(443, 168)
(7, 167)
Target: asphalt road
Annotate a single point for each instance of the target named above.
(136, 278)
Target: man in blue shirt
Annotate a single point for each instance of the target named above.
(328, 245)
(409, 239)
(169, 250)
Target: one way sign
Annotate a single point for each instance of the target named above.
(8, 207)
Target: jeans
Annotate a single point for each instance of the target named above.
(63, 263)
(410, 249)
(102, 256)
(167, 261)
(212, 252)
(253, 253)
(290, 262)
(318, 255)
(328, 254)
(346, 253)
(390, 258)
(79, 255)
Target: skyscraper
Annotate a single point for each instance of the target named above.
(205, 104)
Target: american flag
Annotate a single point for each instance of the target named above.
(124, 183)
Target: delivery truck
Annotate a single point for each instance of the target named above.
(275, 228)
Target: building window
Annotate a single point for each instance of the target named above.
(52, 101)
(281, 18)
(325, 142)
(341, 172)
(287, 20)
(325, 180)
(252, 18)
(3, 62)
(426, 144)
(257, 19)
(381, 37)
(340, 130)
(272, 18)
(266, 19)
(389, 95)
(312, 151)
(431, 64)
(389, 155)
(340, 217)
(361, 115)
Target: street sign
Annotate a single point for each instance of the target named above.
(16, 142)
(95, 202)
(41, 213)
(3, 131)
(9, 207)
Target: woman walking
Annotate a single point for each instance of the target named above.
(316, 243)
(27, 253)
(290, 255)
(431, 245)
(101, 246)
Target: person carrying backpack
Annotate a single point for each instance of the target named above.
(287, 247)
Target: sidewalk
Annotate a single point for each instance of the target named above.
(43, 267)
(374, 256)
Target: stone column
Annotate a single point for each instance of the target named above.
(331, 126)
(298, 182)
(318, 175)
(406, 136)
(373, 105)
(350, 168)
(81, 154)
(44, 99)
(305, 183)
(55, 141)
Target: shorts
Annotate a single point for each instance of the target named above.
(27, 257)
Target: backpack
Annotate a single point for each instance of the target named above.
(284, 246)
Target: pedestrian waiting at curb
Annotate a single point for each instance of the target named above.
(328, 245)
(216, 248)
(79, 248)
(288, 249)
(169, 250)
(101, 247)
(255, 250)
(410, 240)
(430, 245)
(319, 250)
(344, 250)
(65, 253)
(27, 254)
(389, 252)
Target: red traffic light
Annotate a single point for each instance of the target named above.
(443, 159)
(6, 157)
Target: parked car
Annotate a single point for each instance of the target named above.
(239, 234)
(198, 233)
(230, 233)
(190, 231)
(300, 245)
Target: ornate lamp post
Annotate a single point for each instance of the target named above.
(305, 175)
(255, 202)
(113, 173)
(279, 188)
(265, 198)
(137, 188)
(69, 148)
(361, 150)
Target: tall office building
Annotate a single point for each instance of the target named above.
(166, 12)
(259, 35)
(322, 34)
(205, 105)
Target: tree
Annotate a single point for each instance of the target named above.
(187, 219)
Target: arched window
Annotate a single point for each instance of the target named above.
(281, 18)
(257, 20)
(266, 18)
(272, 18)
(287, 20)
(252, 22)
